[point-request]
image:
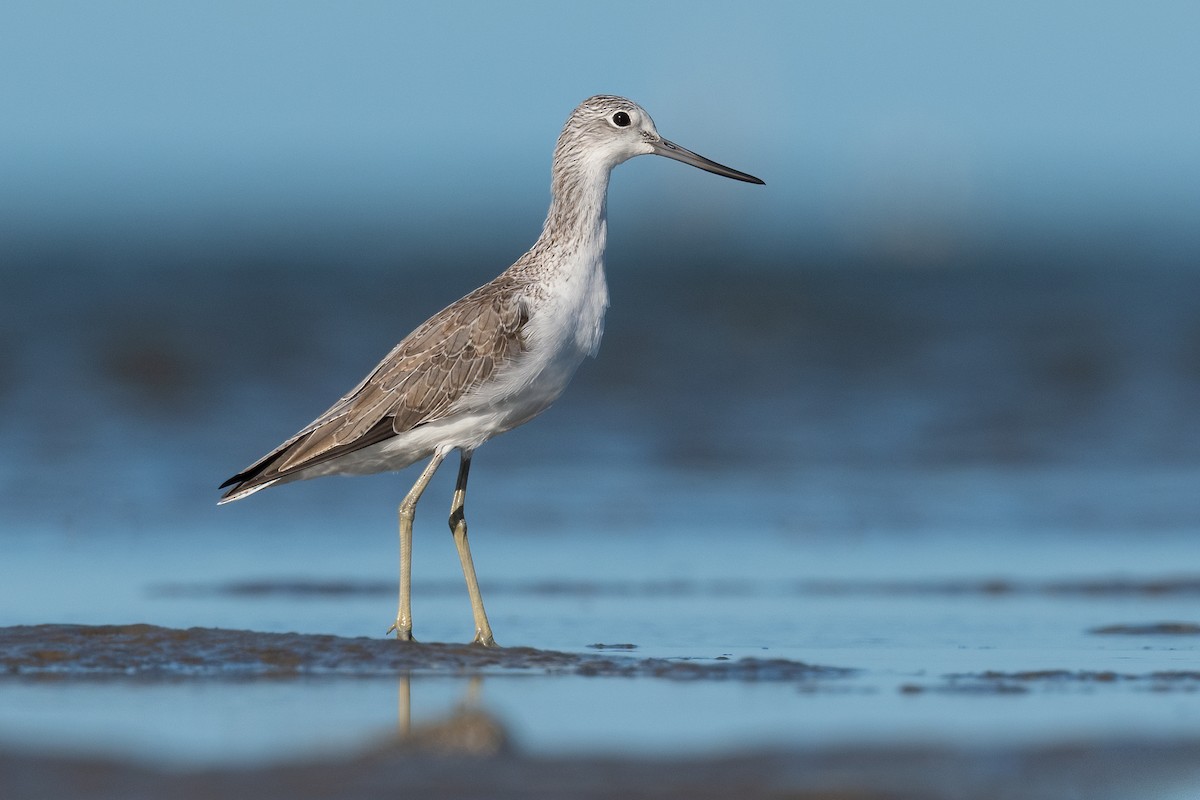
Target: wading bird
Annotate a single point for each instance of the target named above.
(494, 359)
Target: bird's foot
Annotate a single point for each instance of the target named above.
(403, 632)
(484, 639)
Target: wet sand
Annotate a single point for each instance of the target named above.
(449, 764)
(150, 651)
(470, 752)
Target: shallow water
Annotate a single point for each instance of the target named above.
(921, 650)
(945, 484)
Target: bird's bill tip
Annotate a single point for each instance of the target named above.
(669, 149)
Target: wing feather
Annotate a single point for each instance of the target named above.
(421, 380)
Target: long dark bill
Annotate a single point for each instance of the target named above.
(671, 150)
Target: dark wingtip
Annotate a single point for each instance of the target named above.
(236, 488)
(234, 485)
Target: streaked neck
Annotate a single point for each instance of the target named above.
(576, 221)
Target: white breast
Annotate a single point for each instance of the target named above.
(566, 322)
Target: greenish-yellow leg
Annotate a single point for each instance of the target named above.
(408, 510)
(458, 525)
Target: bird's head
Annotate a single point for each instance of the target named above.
(606, 130)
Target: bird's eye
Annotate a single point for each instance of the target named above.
(621, 119)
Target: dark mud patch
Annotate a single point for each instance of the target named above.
(289, 587)
(150, 651)
(603, 646)
(306, 587)
(995, 587)
(1150, 629)
(1000, 683)
(1112, 771)
(999, 587)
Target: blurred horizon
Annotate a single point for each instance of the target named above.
(917, 133)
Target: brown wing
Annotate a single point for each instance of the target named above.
(450, 355)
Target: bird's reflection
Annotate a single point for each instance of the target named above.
(468, 729)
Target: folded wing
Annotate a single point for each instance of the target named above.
(421, 380)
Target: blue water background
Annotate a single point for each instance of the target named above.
(956, 335)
